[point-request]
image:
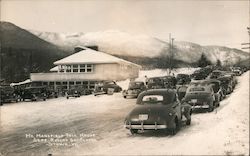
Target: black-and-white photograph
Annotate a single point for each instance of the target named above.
(124, 77)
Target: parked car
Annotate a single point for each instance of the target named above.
(73, 92)
(198, 75)
(134, 89)
(200, 96)
(183, 79)
(237, 70)
(156, 109)
(34, 93)
(51, 93)
(216, 74)
(233, 76)
(111, 84)
(217, 88)
(169, 82)
(227, 84)
(7, 94)
(156, 83)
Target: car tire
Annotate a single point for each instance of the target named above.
(188, 122)
(125, 97)
(211, 108)
(133, 131)
(44, 99)
(67, 97)
(174, 130)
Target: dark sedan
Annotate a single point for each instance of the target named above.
(134, 89)
(217, 88)
(227, 84)
(216, 74)
(183, 79)
(111, 85)
(200, 96)
(156, 109)
(156, 83)
(7, 94)
(34, 93)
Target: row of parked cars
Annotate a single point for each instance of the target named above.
(165, 102)
(33, 93)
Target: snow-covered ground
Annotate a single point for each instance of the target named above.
(222, 132)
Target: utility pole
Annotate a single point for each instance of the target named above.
(247, 44)
(171, 47)
(172, 55)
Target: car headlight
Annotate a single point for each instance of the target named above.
(170, 114)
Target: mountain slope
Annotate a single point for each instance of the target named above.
(124, 44)
(23, 52)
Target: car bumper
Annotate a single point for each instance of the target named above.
(200, 106)
(145, 127)
(130, 94)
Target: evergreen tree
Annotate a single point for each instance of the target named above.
(203, 61)
(218, 63)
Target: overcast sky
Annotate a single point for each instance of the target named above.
(204, 22)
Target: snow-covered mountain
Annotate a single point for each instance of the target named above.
(125, 44)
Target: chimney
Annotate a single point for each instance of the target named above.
(94, 47)
(78, 48)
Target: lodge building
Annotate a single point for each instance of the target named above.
(85, 68)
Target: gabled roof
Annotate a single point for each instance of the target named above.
(54, 69)
(21, 83)
(89, 56)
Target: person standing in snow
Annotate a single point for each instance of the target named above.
(146, 80)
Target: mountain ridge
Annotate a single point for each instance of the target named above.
(23, 52)
(122, 43)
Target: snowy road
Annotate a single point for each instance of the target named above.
(224, 131)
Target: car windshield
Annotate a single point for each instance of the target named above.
(152, 99)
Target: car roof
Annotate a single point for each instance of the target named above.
(225, 77)
(182, 74)
(211, 80)
(163, 92)
(206, 87)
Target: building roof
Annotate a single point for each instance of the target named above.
(54, 69)
(89, 56)
(21, 83)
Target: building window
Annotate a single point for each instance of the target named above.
(75, 68)
(78, 82)
(68, 68)
(82, 68)
(86, 68)
(89, 68)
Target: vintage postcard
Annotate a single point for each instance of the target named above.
(124, 77)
